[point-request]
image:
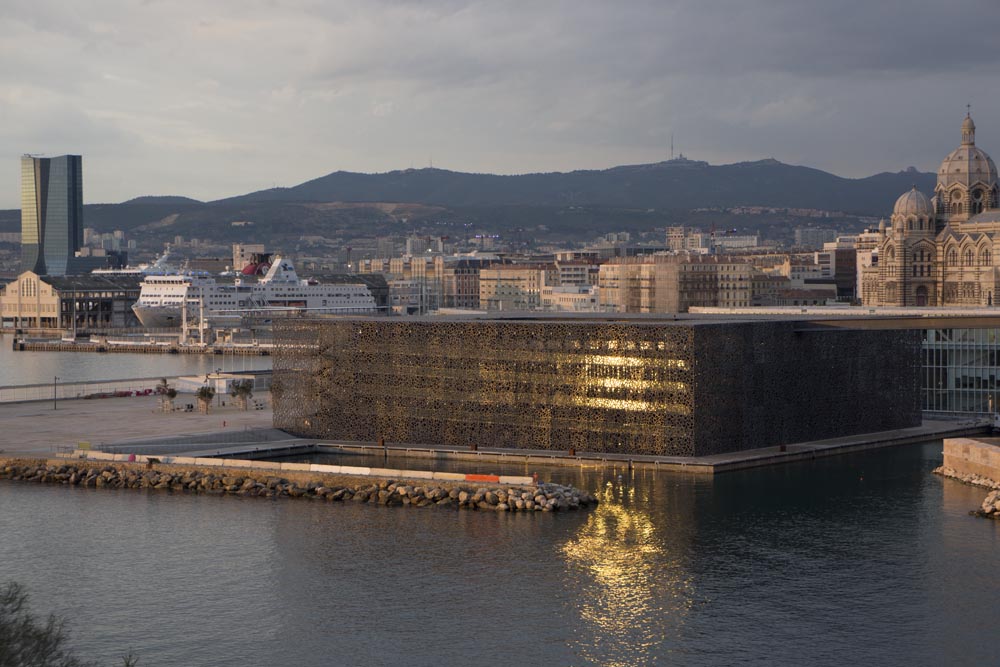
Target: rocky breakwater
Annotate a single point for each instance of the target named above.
(967, 478)
(393, 493)
(990, 507)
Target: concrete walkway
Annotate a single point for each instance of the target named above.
(36, 429)
(710, 465)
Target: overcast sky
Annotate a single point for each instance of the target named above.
(212, 98)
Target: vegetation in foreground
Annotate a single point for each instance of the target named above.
(29, 641)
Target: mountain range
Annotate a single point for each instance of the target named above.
(674, 184)
(668, 188)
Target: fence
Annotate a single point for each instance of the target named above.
(91, 389)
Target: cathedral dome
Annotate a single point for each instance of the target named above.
(967, 164)
(913, 202)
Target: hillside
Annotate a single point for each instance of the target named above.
(676, 184)
(347, 203)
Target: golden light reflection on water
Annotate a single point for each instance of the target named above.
(631, 592)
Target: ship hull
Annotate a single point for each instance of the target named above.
(157, 317)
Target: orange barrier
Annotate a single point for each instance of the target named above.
(483, 478)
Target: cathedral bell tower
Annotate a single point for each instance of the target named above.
(907, 255)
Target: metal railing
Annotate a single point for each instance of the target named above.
(71, 390)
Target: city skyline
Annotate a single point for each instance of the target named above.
(243, 98)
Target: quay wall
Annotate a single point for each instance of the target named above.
(973, 458)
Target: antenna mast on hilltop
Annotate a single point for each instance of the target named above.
(671, 145)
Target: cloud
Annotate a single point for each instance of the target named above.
(215, 99)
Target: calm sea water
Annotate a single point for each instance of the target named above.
(865, 559)
(18, 368)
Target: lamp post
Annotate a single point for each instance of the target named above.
(55, 381)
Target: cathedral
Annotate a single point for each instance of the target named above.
(939, 251)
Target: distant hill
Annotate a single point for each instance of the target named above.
(675, 184)
(342, 203)
(162, 200)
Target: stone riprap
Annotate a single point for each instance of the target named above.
(991, 505)
(541, 498)
(967, 478)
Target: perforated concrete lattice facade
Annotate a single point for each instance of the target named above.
(631, 386)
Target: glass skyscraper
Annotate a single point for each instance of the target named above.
(51, 213)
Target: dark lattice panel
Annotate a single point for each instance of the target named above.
(762, 384)
(642, 387)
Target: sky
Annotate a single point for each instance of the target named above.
(214, 98)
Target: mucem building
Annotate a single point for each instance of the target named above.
(629, 385)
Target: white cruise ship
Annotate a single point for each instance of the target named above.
(163, 298)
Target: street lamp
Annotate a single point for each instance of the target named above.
(55, 381)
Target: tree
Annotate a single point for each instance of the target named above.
(167, 395)
(26, 641)
(242, 391)
(205, 395)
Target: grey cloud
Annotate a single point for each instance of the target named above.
(229, 96)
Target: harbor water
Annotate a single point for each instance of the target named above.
(861, 559)
(24, 368)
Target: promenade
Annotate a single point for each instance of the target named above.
(36, 429)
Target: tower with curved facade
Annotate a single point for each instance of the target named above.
(51, 213)
(939, 251)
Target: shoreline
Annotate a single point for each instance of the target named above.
(137, 424)
(706, 465)
(975, 462)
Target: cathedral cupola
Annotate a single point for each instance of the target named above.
(913, 214)
(968, 131)
(913, 202)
